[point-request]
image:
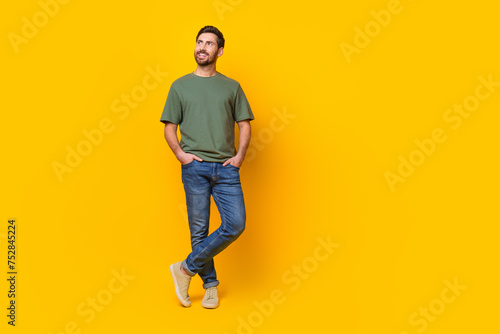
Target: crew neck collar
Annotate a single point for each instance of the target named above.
(213, 76)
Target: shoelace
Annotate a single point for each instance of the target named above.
(211, 293)
(184, 287)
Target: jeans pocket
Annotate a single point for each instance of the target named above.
(189, 163)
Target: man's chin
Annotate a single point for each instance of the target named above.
(203, 63)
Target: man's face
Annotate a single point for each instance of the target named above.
(206, 51)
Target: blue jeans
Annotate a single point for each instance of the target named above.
(202, 180)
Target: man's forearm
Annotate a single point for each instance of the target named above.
(244, 138)
(172, 140)
(173, 143)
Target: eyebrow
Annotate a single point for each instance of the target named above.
(200, 40)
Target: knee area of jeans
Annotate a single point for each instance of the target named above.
(195, 241)
(238, 230)
(234, 232)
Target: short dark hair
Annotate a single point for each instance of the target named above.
(215, 31)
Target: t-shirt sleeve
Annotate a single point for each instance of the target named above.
(242, 110)
(172, 112)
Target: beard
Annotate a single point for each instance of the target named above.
(204, 62)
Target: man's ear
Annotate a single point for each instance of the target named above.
(220, 52)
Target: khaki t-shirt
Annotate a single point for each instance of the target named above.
(206, 109)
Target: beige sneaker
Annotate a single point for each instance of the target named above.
(211, 299)
(181, 282)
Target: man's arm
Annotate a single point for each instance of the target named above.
(244, 140)
(173, 143)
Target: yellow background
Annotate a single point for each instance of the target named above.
(319, 175)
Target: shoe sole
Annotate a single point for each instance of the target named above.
(176, 285)
(210, 306)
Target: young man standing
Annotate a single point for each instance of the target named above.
(206, 104)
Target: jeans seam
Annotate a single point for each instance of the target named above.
(223, 225)
(223, 214)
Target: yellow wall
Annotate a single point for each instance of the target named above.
(371, 183)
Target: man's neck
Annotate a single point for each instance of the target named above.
(205, 71)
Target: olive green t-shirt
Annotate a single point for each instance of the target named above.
(206, 109)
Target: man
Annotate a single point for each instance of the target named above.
(205, 104)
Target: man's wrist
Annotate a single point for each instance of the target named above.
(240, 157)
(179, 153)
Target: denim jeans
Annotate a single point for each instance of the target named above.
(202, 180)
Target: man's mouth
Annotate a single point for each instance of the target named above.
(202, 55)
